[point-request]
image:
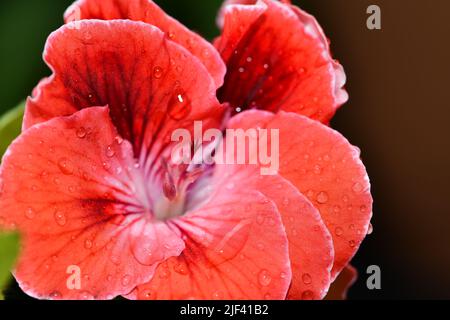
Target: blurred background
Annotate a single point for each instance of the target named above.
(398, 114)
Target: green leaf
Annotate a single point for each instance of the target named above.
(10, 126)
(9, 249)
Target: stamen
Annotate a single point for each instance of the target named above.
(169, 189)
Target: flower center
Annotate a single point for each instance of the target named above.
(183, 189)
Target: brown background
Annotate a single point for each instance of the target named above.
(398, 80)
(398, 114)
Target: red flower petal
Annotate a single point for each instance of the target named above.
(278, 59)
(328, 171)
(310, 245)
(147, 11)
(342, 284)
(71, 187)
(151, 85)
(226, 252)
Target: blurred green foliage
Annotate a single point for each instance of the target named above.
(9, 249)
(10, 127)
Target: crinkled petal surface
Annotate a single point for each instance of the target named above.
(226, 255)
(325, 168)
(310, 245)
(278, 58)
(147, 11)
(69, 186)
(151, 84)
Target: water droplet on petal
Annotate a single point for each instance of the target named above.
(317, 169)
(306, 278)
(66, 166)
(119, 140)
(370, 230)
(88, 244)
(81, 133)
(110, 152)
(85, 295)
(218, 295)
(339, 231)
(147, 294)
(179, 105)
(357, 187)
(30, 214)
(322, 197)
(158, 72)
(126, 280)
(260, 219)
(181, 269)
(264, 278)
(165, 274)
(307, 295)
(60, 218)
(352, 243)
(55, 295)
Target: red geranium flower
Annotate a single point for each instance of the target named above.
(92, 185)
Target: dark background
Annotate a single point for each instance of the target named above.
(398, 114)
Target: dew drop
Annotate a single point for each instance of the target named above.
(317, 169)
(352, 243)
(65, 166)
(370, 230)
(339, 231)
(88, 244)
(179, 104)
(306, 278)
(110, 152)
(115, 260)
(119, 140)
(147, 294)
(260, 218)
(60, 218)
(30, 214)
(264, 278)
(158, 72)
(322, 197)
(165, 274)
(85, 295)
(357, 187)
(81, 133)
(307, 295)
(218, 295)
(87, 35)
(55, 295)
(126, 280)
(181, 269)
